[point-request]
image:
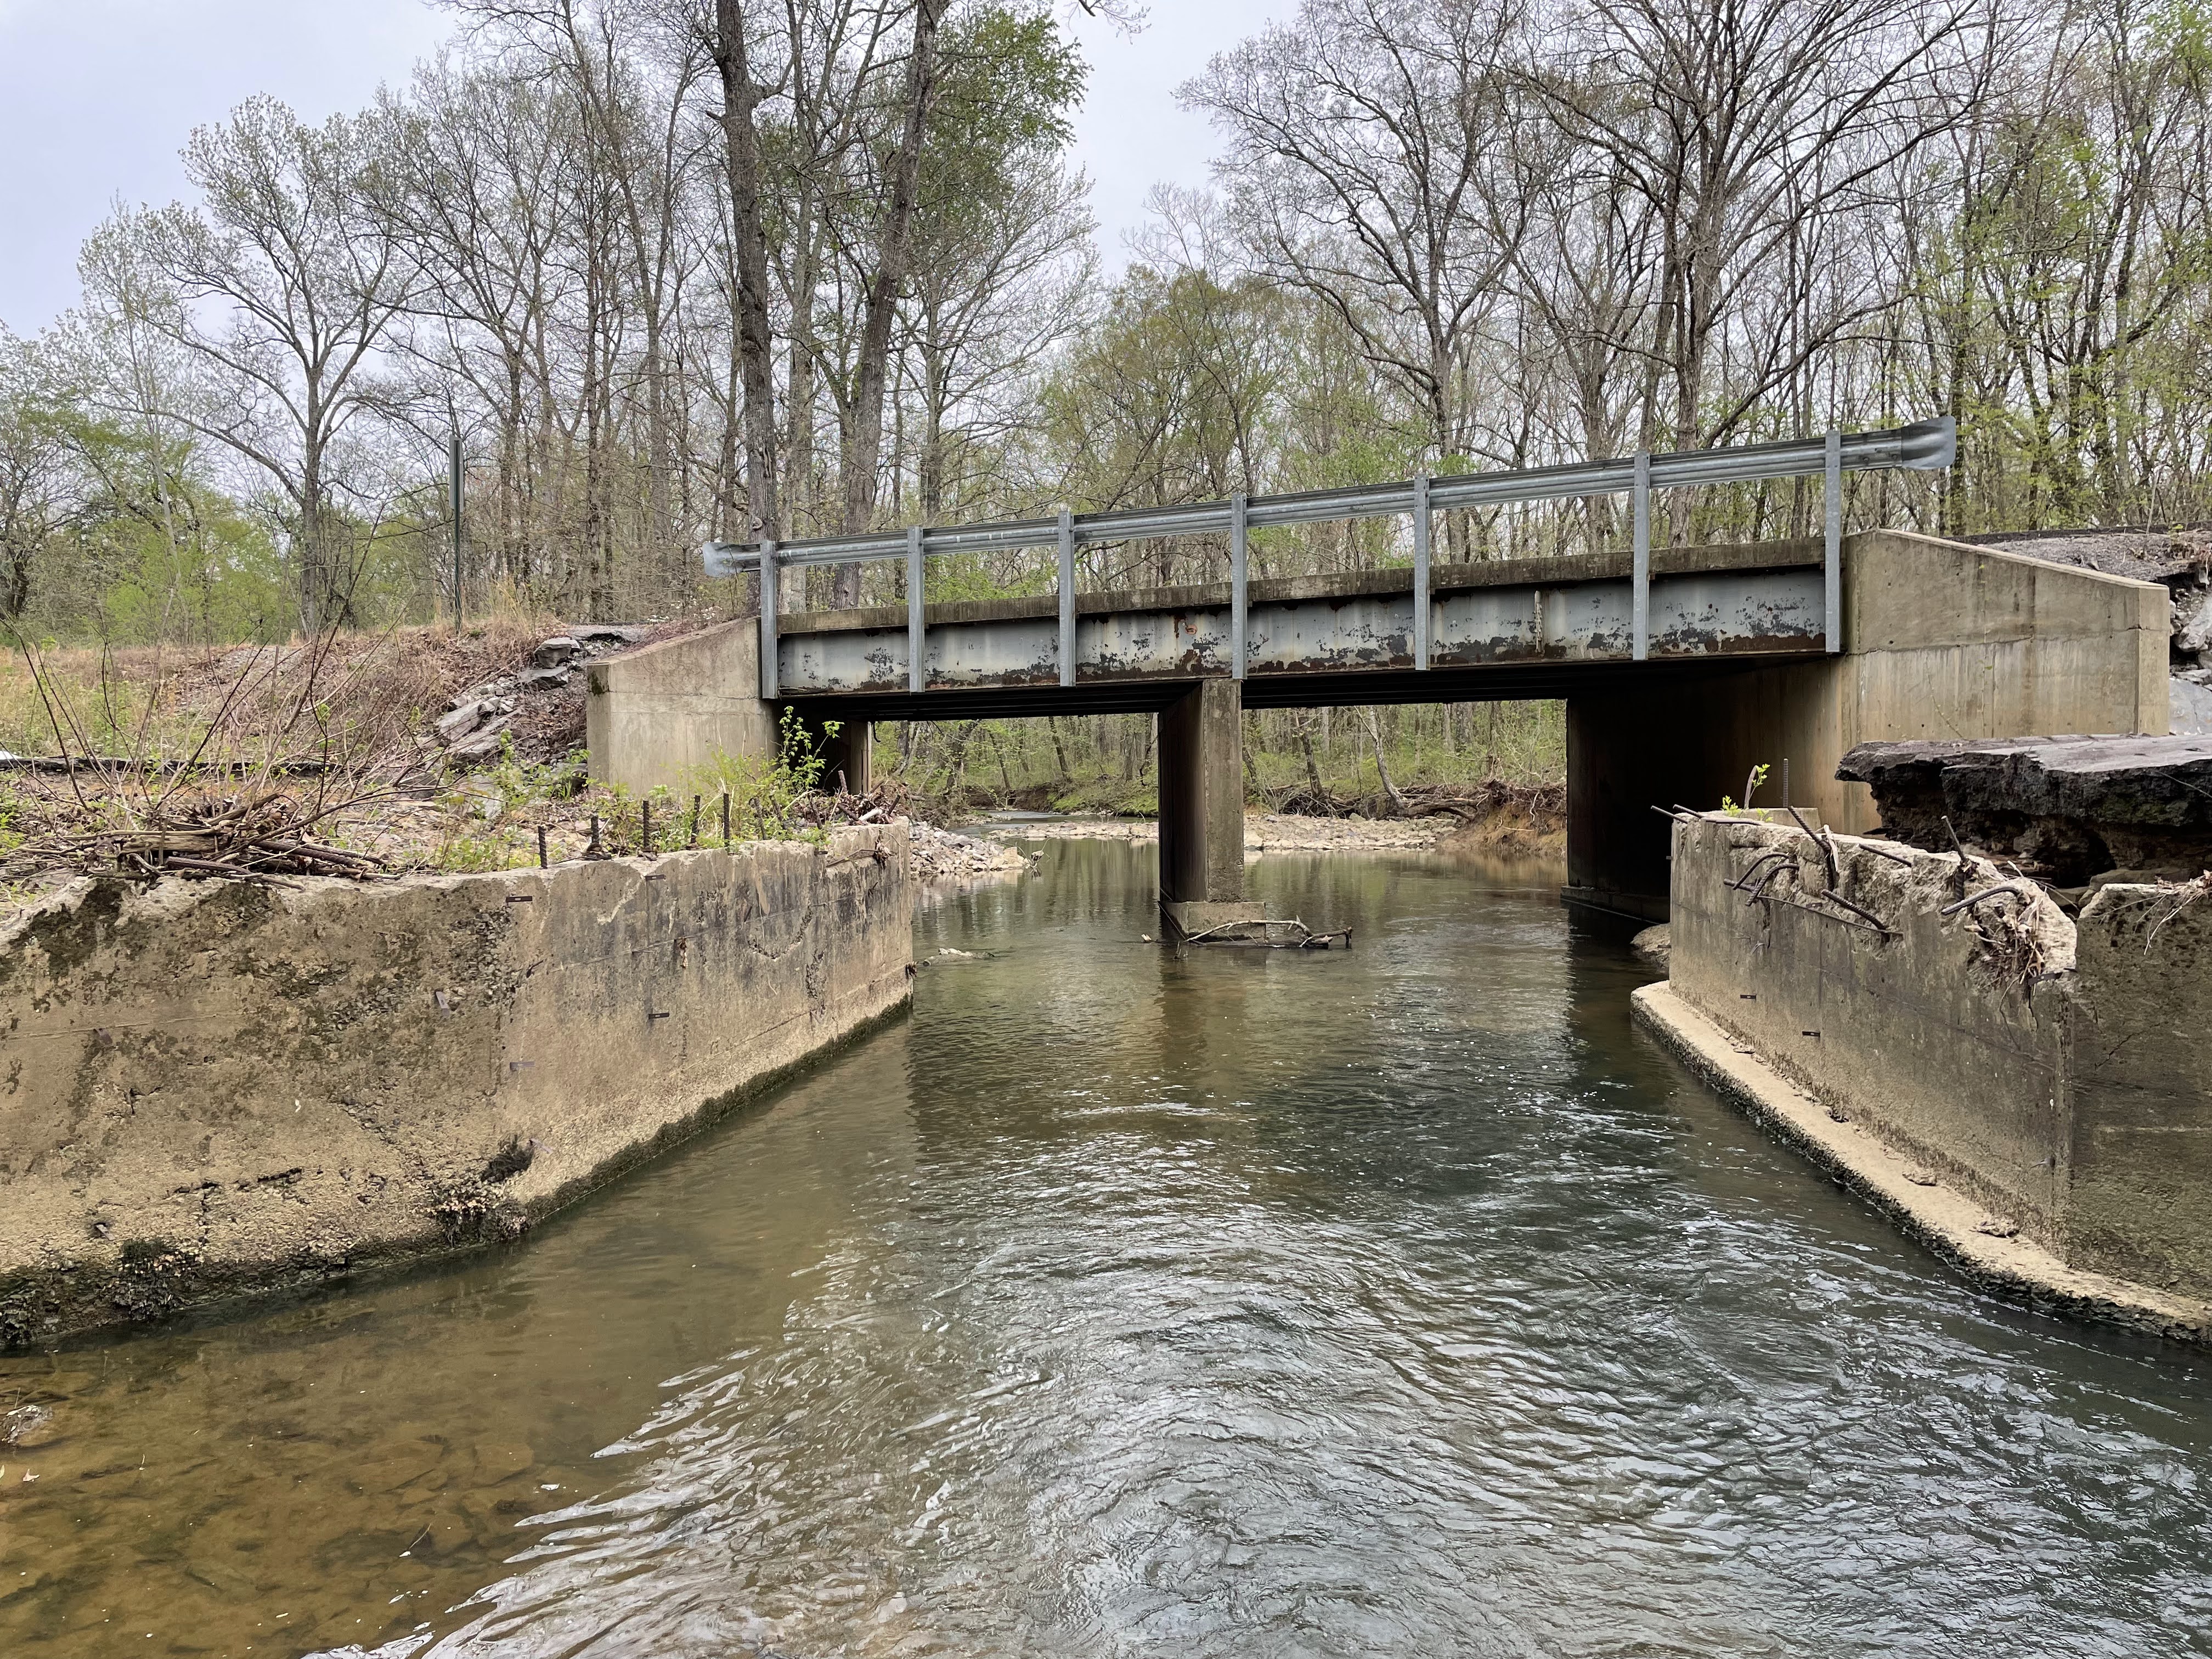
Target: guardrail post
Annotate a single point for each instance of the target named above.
(768, 620)
(1066, 597)
(1420, 570)
(1640, 604)
(1832, 569)
(916, 675)
(1236, 602)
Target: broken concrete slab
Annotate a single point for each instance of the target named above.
(484, 743)
(2069, 807)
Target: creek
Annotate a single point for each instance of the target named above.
(1119, 1302)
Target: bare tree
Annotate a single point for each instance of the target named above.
(860, 460)
(286, 288)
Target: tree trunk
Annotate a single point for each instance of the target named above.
(741, 164)
(1398, 803)
(862, 461)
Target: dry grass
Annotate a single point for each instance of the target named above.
(252, 762)
(154, 703)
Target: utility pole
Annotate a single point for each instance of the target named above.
(454, 505)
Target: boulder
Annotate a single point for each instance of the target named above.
(556, 652)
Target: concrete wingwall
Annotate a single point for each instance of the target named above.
(652, 714)
(211, 1086)
(2053, 1069)
(1943, 640)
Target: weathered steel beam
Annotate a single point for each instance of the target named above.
(1725, 613)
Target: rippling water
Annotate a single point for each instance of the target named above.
(1402, 1302)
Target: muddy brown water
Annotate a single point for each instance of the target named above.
(1404, 1302)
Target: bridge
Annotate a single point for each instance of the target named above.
(1681, 668)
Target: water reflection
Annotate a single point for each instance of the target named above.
(1403, 1301)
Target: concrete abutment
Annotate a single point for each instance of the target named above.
(1943, 641)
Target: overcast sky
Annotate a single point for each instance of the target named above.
(96, 97)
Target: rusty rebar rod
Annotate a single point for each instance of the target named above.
(2026, 889)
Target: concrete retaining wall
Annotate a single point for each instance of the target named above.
(207, 1086)
(2059, 1073)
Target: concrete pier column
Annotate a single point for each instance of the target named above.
(852, 751)
(1202, 809)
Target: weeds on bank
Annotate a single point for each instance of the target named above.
(494, 816)
(764, 793)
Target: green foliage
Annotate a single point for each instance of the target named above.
(11, 809)
(1753, 785)
(520, 784)
(762, 792)
(1007, 81)
(472, 853)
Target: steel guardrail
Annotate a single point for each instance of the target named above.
(1925, 446)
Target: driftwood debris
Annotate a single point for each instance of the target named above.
(1294, 935)
(242, 837)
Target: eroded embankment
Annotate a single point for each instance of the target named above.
(212, 1087)
(2026, 1090)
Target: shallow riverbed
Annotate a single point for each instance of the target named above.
(1404, 1301)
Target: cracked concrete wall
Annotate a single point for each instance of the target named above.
(2059, 1072)
(206, 1087)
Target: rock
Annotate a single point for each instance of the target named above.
(1652, 944)
(544, 679)
(482, 745)
(940, 855)
(467, 718)
(557, 652)
(498, 1461)
(1998, 1226)
(2189, 703)
(1920, 1177)
(2196, 634)
(26, 1426)
(481, 799)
